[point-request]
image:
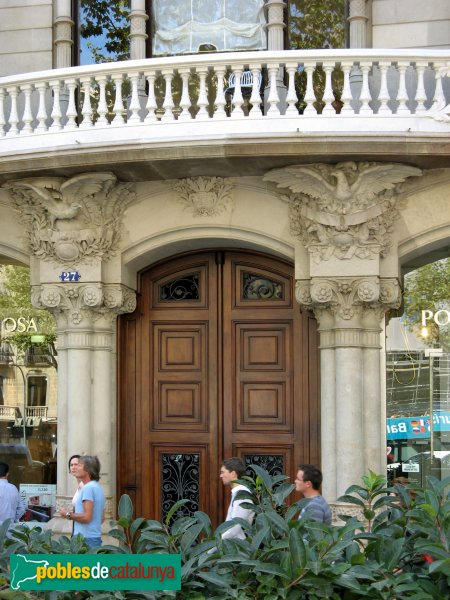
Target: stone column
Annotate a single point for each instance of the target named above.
(350, 313)
(86, 317)
(63, 34)
(75, 273)
(275, 24)
(138, 36)
(343, 216)
(358, 23)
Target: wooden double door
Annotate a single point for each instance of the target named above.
(216, 361)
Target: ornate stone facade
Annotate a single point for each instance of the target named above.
(204, 196)
(72, 220)
(345, 210)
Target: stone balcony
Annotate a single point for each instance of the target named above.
(176, 116)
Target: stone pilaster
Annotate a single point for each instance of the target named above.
(74, 226)
(350, 312)
(86, 316)
(343, 216)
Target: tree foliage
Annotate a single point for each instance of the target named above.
(318, 24)
(106, 26)
(15, 302)
(428, 288)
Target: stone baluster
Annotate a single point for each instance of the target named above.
(13, 115)
(151, 105)
(237, 100)
(118, 107)
(56, 109)
(134, 104)
(202, 95)
(220, 96)
(41, 116)
(102, 108)
(365, 96)
(255, 98)
(439, 97)
(310, 96)
(421, 95)
(384, 96)
(86, 109)
(273, 98)
(168, 104)
(71, 108)
(328, 96)
(402, 94)
(27, 117)
(346, 97)
(185, 101)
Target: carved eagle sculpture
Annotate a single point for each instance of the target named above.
(342, 186)
(62, 199)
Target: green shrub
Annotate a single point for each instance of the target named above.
(399, 549)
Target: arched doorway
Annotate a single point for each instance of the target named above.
(216, 361)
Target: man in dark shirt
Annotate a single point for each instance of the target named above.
(308, 482)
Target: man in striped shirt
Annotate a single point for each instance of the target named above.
(308, 482)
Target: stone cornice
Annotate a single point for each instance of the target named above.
(346, 210)
(80, 300)
(72, 220)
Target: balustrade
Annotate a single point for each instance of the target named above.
(320, 85)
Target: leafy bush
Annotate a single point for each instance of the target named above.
(399, 549)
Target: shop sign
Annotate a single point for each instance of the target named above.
(440, 317)
(19, 325)
(410, 428)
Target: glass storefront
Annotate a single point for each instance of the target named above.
(28, 396)
(418, 387)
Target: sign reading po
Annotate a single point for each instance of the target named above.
(440, 317)
(21, 325)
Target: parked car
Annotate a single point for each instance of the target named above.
(22, 468)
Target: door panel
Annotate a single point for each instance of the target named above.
(225, 365)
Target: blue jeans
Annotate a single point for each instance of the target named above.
(94, 542)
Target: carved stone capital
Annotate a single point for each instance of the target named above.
(204, 196)
(72, 220)
(78, 301)
(346, 210)
(345, 296)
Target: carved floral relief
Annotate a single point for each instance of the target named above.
(204, 196)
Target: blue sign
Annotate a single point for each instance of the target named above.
(70, 276)
(411, 428)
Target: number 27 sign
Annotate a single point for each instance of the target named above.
(70, 276)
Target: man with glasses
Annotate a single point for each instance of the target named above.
(308, 482)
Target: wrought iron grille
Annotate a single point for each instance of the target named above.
(256, 287)
(180, 481)
(184, 288)
(272, 463)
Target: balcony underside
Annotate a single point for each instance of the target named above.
(244, 155)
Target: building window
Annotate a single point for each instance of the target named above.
(2, 400)
(37, 391)
(316, 25)
(101, 32)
